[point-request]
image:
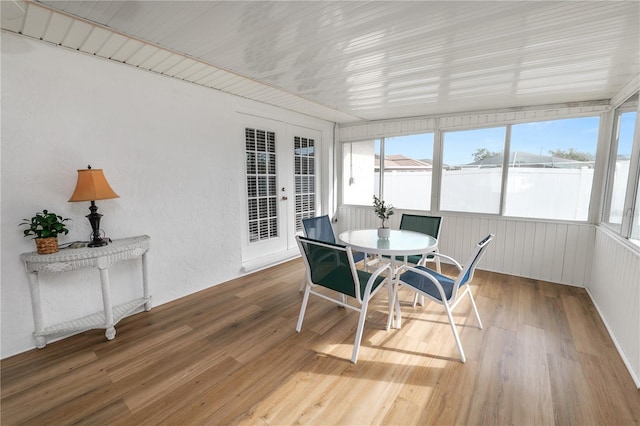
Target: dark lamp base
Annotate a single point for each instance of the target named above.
(98, 243)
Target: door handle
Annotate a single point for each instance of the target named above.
(284, 198)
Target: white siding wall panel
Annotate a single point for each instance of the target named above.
(36, 22)
(127, 50)
(96, 39)
(57, 29)
(111, 46)
(549, 251)
(615, 290)
(142, 55)
(77, 34)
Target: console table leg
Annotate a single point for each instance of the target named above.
(41, 342)
(106, 300)
(110, 333)
(34, 287)
(145, 281)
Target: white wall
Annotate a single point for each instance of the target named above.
(173, 151)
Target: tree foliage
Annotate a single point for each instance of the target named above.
(571, 154)
(482, 153)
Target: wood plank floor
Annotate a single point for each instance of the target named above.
(230, 355)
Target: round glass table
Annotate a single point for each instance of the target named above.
(400, 243)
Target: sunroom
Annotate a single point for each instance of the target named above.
(513, 118)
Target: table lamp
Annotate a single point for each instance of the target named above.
(92, 186)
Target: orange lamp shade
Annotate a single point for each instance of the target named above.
(91, 186)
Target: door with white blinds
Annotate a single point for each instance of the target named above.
(281, 190)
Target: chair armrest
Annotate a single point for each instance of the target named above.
(449, 258)
(380, 270)
(374, 275)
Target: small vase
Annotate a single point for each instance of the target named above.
(47, 245)
(384, 232)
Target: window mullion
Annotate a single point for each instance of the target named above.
(436, 169)
(381, 174)
(505, 168)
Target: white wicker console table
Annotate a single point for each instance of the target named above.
(96, 257)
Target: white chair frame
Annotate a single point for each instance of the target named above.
(456, 294)
(362, 299)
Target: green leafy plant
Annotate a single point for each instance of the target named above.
(383, 211)
(45, 225)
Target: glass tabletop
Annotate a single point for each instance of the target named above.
(400, 242)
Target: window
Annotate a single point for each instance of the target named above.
(472, 170)
(551, 165)
(408, 168)
(622, 202)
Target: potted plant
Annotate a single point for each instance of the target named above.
(45, 228)
(383, 211)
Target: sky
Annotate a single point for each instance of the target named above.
(581, 134)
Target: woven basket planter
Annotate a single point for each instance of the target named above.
(47, 245)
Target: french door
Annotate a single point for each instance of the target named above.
(281, 186)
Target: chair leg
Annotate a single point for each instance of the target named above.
(391, 296)
(455, 332)
(418, 298)
(361, 319)
(475, 309)
(303, 308)
(303, 282)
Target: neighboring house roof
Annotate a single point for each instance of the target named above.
(401, 162)
(526, 159)
(522, 159)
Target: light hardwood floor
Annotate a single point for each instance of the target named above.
(230, 355)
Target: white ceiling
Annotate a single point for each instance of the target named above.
(348, 61)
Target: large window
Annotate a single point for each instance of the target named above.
(622, 202)
(408, 168)
(551, 167)
(472, 170)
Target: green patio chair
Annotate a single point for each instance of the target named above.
(429, 225)
(332, 266)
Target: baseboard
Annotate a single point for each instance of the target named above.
(268, 261)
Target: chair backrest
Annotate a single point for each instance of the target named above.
(330, 265)
(466, 275)
(429, 225)
(319, 228)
